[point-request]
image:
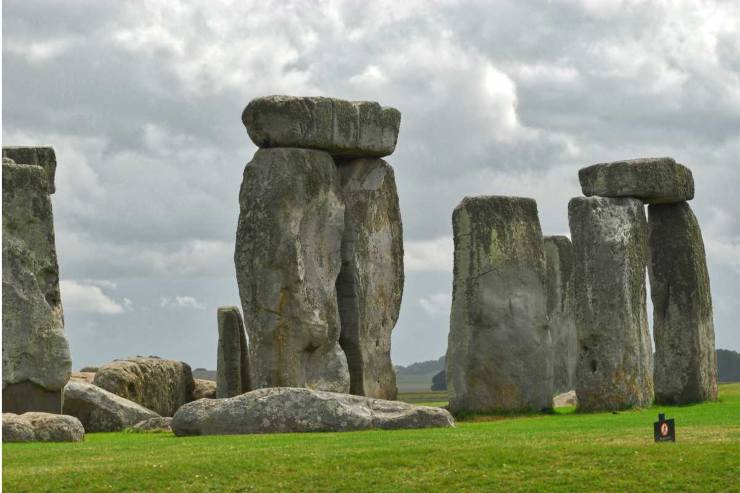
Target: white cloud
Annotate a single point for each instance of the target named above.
(88, 298)
(429, 255)
(182, 302)
(436, 304)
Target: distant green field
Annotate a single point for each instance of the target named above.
(414, 383)
(555, 452)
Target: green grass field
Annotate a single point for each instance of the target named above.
(556, 452)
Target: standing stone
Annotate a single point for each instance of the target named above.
(370, 283)
(37, 156)
(287, 260)
(342, 128)
(499, 355)
(683, 326)
(36, 358)
(614, 368)
(232, 371)
(559, 260)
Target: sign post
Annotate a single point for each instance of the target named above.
(664, 430)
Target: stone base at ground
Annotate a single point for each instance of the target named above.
(153, 425)
(100, 410)
(41, 427)
(566, 399)
(19, 398)
(286, 410)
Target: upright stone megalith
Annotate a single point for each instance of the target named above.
(559, 260)
(288, 257)
(36, 358)
(370, 283)
(232, 367)
(614, 369)
(499, 354)
(683, 326)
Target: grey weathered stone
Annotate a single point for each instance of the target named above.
(614, 368)
(36, 358)
(153, 425)
(499, 353)
(37, 156)
(232, 370)
(204, 389)
(41, 427)
(100, 410)
(89, 369)
(287, 262)
(683, 325)
(370, 283)
(566, 399)
(286, 410)
(342, 128)
(653, 180)
(161, 385)
(559, 261)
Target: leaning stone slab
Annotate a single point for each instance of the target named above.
(652, 180)
(499, 353)
(41, 427)
(370, 284)
(232, 367)
(161, 385)
(37, 156)
(153, 425)
(100, 410)
(287, 258)
(614, 368)
(289, 410)
(341, 128)
(683, 325)
(559, 260)
(36, 358)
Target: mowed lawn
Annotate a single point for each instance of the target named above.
(558, 452)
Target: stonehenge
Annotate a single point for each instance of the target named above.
(499, 353)
(613, 243)
(614, 369)
(36, 357)
(232, 364)
(319, 255)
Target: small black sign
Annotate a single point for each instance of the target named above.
(664, 430)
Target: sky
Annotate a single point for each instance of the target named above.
(142, 102)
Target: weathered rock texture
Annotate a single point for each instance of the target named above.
(287, 262)
(37, 156)
(204, 389)
(683, 326)
(370, 284)
(284, 410)
(614, 368)
(153, 425)
(161, 385)
(653, 180)
(36, 358)
(82, 376)
(342, 128)
(232, 369)
(41, 427)
(499, 354)
(100, 410)
(559, 261)
(566, 399)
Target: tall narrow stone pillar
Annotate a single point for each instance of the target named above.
(614, 369)
(683, 326)
(232, 370)
(499, 354)
(559, 260)
(370, 284)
